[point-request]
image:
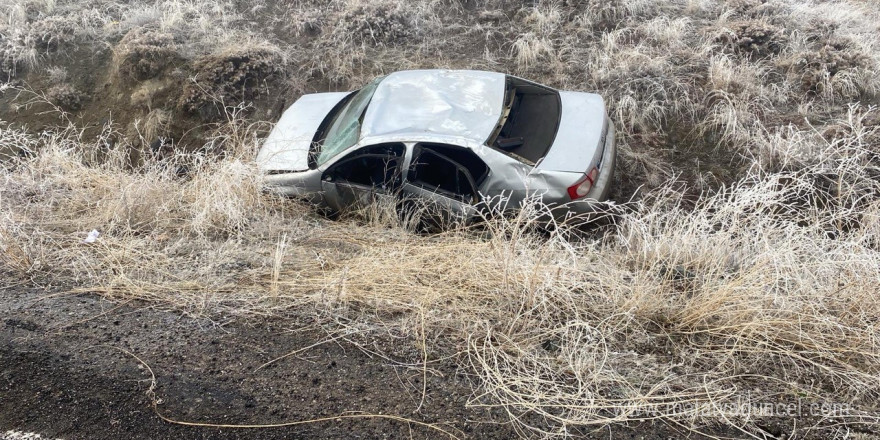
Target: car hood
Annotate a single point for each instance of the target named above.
(287, 146)
(579, 134)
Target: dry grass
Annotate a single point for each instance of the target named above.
(771, 281)
(747, 290)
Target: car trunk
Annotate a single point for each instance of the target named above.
(576, 147)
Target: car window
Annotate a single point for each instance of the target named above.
(374, 166)
(344, 130)
(435, 171)
(529, 121)
(461, 156)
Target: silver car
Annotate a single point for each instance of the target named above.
(459, 139)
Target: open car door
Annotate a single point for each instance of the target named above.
(439, 189)
(358, 179)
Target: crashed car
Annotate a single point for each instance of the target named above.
(456, 139)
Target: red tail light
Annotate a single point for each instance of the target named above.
(583, 186)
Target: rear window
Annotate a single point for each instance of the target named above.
(529, 121)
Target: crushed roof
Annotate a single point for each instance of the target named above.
(463, 103)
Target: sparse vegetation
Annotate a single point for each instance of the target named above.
(143, 53)
(65, 96)
(382, 23)
(755, 38)
(740, 267)
(231, 75)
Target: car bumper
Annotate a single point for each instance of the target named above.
(602, 188)
(299, 184)
(283, 184)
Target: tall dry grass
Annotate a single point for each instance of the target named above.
(763, 291)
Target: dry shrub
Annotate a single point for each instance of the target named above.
(646, 73)
(614, 14)
(377, 23)
(198, 27)
(31, 30)
(494, 17)
(793, 148)
(8, 64)
(15, 52)
(53, 32)
(143, 53)
(152, 221)
(16, 254)
(543, 18)
(736, 101)
(66, 97)
(755, 38)
(369, 36)
(860, 124)
(354, 64)
(15, 142)
(230, 76)
(215, 212)
(308, 22)
(154, 126)
(107, 197)
(743, 6)
(535, 48)
(532, 50)
(871, 122)
(642, 90)
(756, 8)
(837, 68)
(638, 164)
(730, 119)
(56, 75)
(732, 75)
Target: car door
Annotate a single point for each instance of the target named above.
(356, 180)
(440, 188)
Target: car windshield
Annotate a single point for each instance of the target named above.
(343, 132)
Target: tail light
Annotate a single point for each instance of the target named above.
(583, 186)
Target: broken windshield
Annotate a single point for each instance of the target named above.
(345, 129)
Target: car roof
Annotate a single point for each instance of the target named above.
(463, 104)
